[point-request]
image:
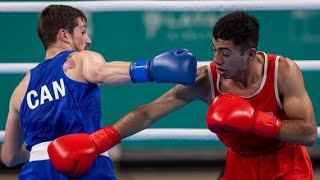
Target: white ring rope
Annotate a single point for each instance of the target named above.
(14, 68)
(196, 6)
(173, 134)
(168, 134)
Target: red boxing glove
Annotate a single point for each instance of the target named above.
(232, 113)
(74, 154)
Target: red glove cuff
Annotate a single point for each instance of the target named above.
(266, 125)
(105, 138)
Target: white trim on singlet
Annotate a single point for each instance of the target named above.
(211, 82)
(276, 89)
(218, 83)
(265, 71)
(39, 152)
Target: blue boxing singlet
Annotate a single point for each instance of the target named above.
(53, 106)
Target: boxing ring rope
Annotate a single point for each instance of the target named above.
(195, 6)
(15, 68)
(166, 6)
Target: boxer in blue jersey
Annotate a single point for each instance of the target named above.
(61, 95)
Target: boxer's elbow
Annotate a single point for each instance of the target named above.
(8, 159)
(311, 136)
(312, 139)
(309, 142)
(8, 163)
(144, 116)
(13, 157)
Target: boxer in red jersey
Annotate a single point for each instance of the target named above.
(258, 106)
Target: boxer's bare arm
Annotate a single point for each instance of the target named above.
(145, 115)
(89, 66)
(13, 148)
(300, 127)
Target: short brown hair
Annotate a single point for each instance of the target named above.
(56, 17)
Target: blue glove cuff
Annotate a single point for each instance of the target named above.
(139, 71)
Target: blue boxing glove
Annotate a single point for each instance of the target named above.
(174, 66)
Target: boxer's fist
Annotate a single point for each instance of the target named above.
(74, 154)
(174, 66)
(233, 113)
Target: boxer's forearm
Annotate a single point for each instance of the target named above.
(298, 132)
(143, 117)
(138, 119)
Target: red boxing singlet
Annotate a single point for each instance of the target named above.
(253, 157)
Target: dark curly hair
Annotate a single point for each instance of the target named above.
(55, 17)
(240, 28)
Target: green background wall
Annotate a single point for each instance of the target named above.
(134, 35)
